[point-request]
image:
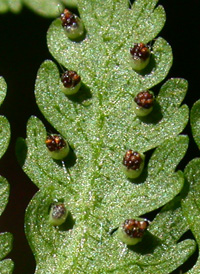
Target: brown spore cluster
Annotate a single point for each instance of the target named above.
(70, 79)
(68, 19)
(58, 211)
(135, 228)
(140, 51)
(144, 99)
(132, 160)
(55, 142)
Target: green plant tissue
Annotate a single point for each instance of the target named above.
(100, 126)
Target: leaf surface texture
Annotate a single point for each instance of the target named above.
(6, 265)
(100, 125)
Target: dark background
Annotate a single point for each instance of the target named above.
(22, 50)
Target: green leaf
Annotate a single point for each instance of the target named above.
(97, 205)
(6, 266)
(98, 55)
(44, 171)
(4, 190)
(10, 5)
(120, 128)
(191, 204)
(49, 8)
(195, 122)
(100, 125)
(4, 141)
(4, 125)
(89, 247)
